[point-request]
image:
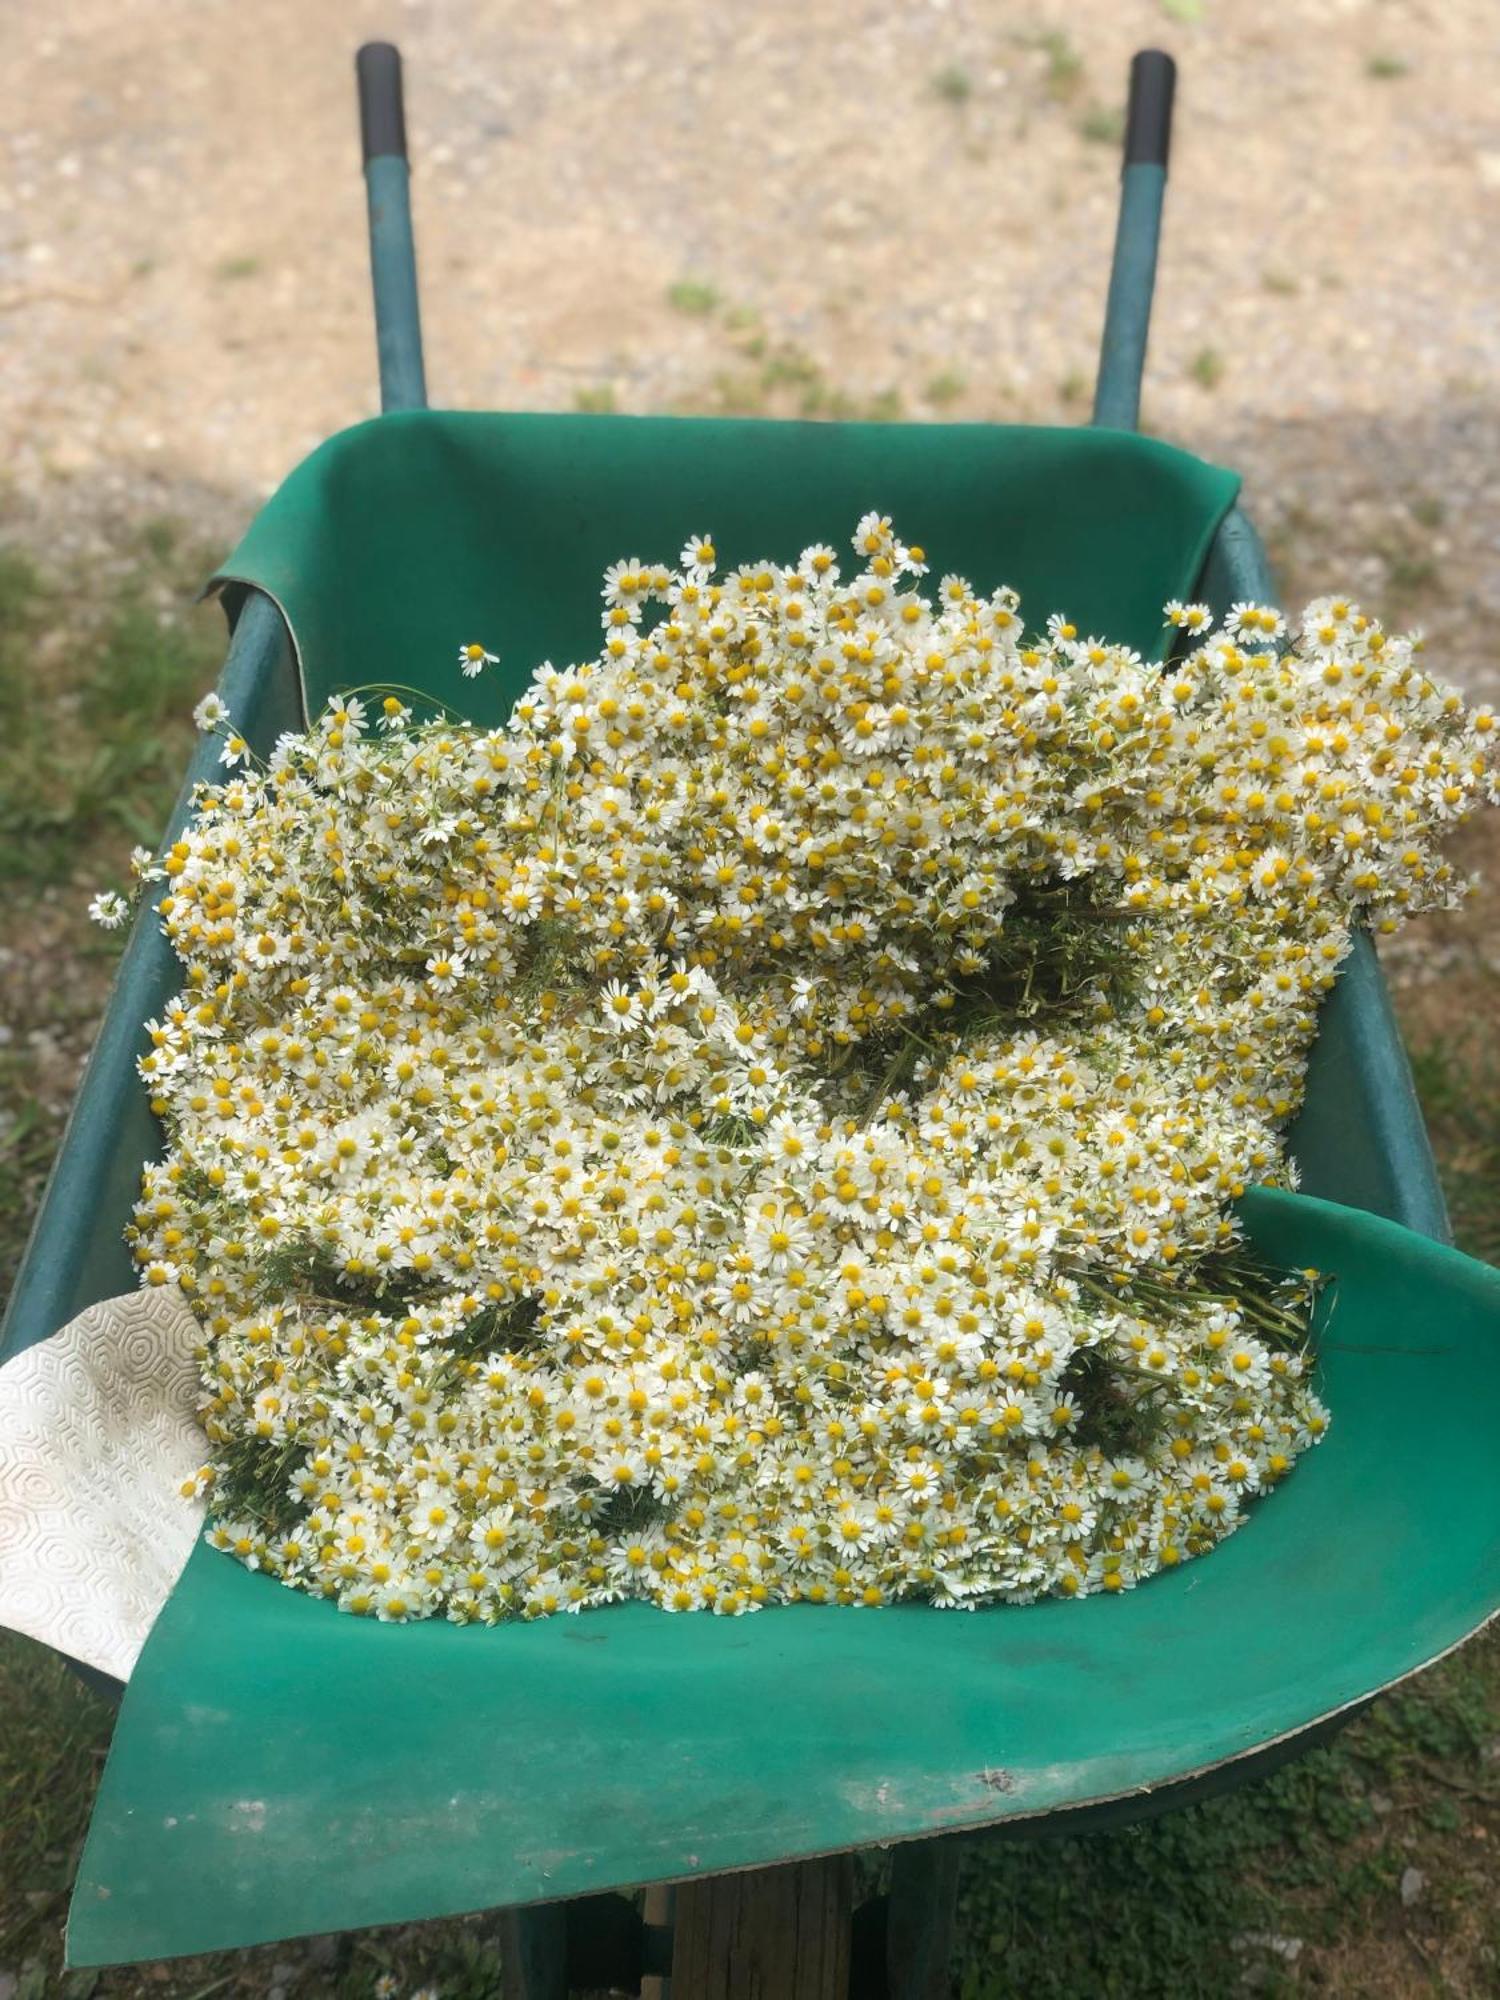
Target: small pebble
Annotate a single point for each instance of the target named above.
(1413, 1882)
(1286, 1948)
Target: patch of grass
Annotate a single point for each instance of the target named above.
(1074, 386)
(953, 84)
(97, 705)
(1386, 68)
(732, 394)
(785, 380)
(1315, 1851)
(51, 1751)
(1428, 511)
(1458, 1081)
(884, 407)
(234, 270)
(1281, 283)
(1102, 125)
(944, 388)
(1295, 537)
(692, 296)
(20, 597)
(792, 367)
(1411, 571)
(1207, 367)
(1064, 65)
(161, 537)
(598, 401)
(29, 1132)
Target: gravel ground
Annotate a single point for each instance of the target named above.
(915, 197)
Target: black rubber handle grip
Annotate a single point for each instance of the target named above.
(382, 116)
(1148, 122)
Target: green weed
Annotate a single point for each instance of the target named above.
(693, 297)
(884, 407)
(1102, 125)
(598, 401)
(1411, 571)
(1164, 1906)
(1458, 1082)
(1064, 65)
(944, 388)
(953, 84)
(97, 708)
(1074, 386)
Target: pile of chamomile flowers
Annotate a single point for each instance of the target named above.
(763, 1125)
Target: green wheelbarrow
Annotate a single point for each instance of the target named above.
(279, 1769)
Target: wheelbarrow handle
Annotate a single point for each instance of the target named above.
(382, 111)
(1148, 119)
(393, 257)
(1132, 278)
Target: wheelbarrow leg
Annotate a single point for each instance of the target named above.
(534, 1953)
(658, 1912)
(781, 1932)
(919, 1921)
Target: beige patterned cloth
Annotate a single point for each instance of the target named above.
(97, 1434)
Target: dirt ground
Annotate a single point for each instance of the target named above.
(919, 198)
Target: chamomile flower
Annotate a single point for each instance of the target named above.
(1256, 624)
(818, 565)
(473, 659)
(724, 1137)
(1192, 618)
(621, 1007)
(109, 909)
(210, 712)
(445, 969)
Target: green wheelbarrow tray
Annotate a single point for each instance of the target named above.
(281, 1768)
